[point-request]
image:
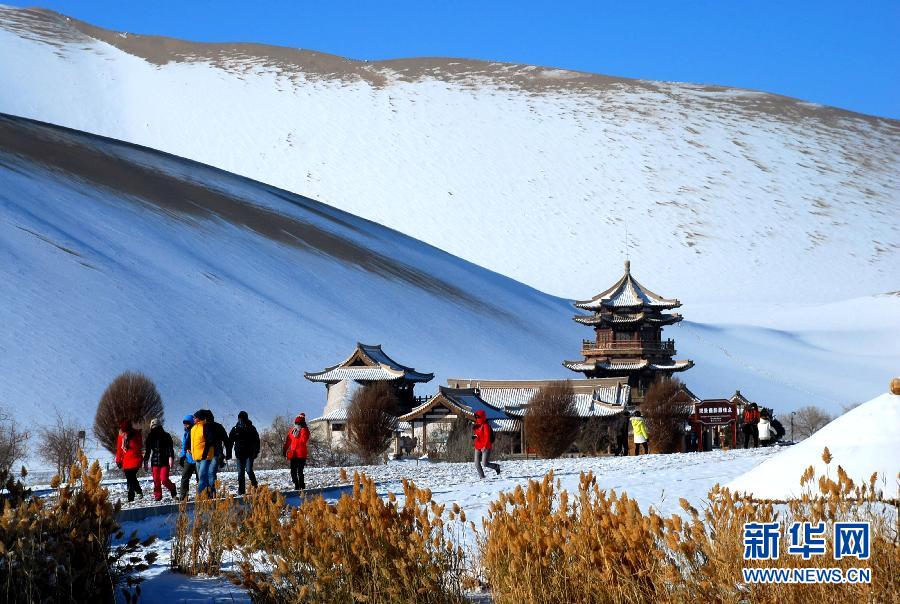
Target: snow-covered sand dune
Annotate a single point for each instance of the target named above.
(225, 290)
(862, 441)
(533, 172)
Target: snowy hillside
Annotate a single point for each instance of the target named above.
(862, 441)
(225, 290)
(533, 172)
(222, 289)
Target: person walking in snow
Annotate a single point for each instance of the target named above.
(766, 432)
(751, 425)
(244, 440)
(641, 438)
(186, 460)
(220, 444)
(129, 454)
(483, 437)
(203, 452)
(296, 449)
(160, 455)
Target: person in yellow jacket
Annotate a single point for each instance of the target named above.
(639, 428)
(202, 454)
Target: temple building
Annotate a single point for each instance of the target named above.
(368, 363)
(628, 319)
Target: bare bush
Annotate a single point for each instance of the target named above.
(271, 443)
(809, 420)
(59, 444)
(324, 453)
(593, 436)
(131, 397)
(459, 441)
(665, 414)
(13, 445)
(551, 420)
(371, 419)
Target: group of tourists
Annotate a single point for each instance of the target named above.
(760, 427)
(206, 447)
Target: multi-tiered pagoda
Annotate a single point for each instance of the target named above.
(628, 319)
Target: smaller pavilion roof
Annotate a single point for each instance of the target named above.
(368, 363)
(627, 293)
(465, 402)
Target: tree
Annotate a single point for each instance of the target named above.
(809, 420)
(551, 420)
(13, 445)
(130, 397)
(59, 444)
(665, 414)
(371, 419)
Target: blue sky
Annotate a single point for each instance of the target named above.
(843, 53)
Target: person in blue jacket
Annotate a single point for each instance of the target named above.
(186, 461)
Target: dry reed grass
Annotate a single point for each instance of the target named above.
(200, 540)
(61, 549)
(361, 549)
(541, 546)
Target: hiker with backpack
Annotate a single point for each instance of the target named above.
(296, 449)
(129, 454)
(160, 455)
(203, 453)
(751, 425)
(186, 460)
(244, 441)
(483, 437)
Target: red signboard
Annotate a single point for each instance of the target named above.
(715, 413)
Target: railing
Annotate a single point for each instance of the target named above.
(665, 346)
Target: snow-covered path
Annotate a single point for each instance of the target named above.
(653, 480)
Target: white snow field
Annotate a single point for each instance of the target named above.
(862, 441)
(727, 195)
(656, 481)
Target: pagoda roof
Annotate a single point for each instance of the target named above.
(628, 318)
(617, 366)
(368, 363)
(627, 293)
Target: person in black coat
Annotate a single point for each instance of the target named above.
(244, 443)
(160, 454)
(217, 440)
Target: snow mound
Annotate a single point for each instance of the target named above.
(861, 441)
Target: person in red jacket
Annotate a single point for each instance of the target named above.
(751, 425)
(483, 435)
(296, 449)
(129, 455)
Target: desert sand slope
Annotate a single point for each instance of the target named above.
(533, 172)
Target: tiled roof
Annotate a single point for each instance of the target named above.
(627, 293)
(607, 400)
(362, 374)
(673, 366)
(376, 366)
